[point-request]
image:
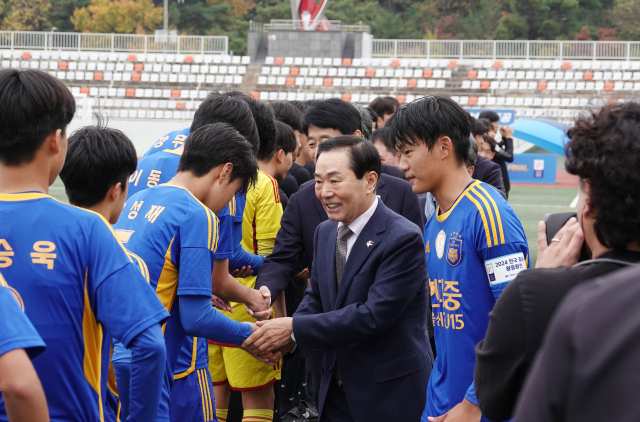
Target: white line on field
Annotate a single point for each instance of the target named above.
(574, 203)
(540, 206)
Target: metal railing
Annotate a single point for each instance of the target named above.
(293, 25)
(113, 42)
(474, 49)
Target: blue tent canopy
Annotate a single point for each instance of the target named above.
(545, 133)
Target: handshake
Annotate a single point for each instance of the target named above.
(258, 304)
(270, 340)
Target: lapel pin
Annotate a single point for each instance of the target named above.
(370, 243)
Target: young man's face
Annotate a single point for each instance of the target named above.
(284, 165)
(421, 167)
(304, 155)
(316, 135)
(222, 193)
(343, 195)
(494, 127)
(382, 120)
(484, 150)
(386, 156)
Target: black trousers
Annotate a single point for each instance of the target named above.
(336, 408)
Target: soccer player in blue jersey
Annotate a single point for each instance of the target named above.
(172, 227)
(22, 392)
(67, 265)
(99, 161)
(474, 245)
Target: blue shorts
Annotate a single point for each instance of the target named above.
(192, 398)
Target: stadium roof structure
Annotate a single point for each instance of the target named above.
(545, 133)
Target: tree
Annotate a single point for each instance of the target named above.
(625, 16)
(61, 11)
(26, 15)
(119, 16)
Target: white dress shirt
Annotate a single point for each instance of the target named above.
(358, 224)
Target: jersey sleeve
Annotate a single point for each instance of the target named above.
(501, 243)
(198, 237)
(268, 211)
(226, 248)
(115, 289)
(16, 331)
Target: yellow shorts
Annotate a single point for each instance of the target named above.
(242, 371)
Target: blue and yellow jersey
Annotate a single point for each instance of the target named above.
(154, 170)
(472, 251)
(171, 140)
(231, 226)
(16, 331)
(74, 279)
(176, 236)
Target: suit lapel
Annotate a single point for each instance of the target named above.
(331, 264)
(380, 191)
(366, 243)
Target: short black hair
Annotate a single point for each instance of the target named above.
(372, 114)
(490, 115)
(427, 119)
(383, 135)
(481, 126)
(366, 127)
(604, 149)
(492, 142)
(363, 156)
(384, 105)
(98, 157)
(265, 122)
(472, 159)
(332, 114)
(218, 108)
(33, 104)
(287, 113)
(216, 144)
(285, 138)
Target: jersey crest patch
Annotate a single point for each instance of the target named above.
(454, 252)
(440, 241)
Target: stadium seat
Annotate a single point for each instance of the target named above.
(395, 63)
(412, 83)
(566, 65)
(542, 85)
(453, 64)
(370, 73)
(279, 60)
(497, 65)
(588, 76)
(401, 98)
(98, 76)
(132, 58)
(346, 62)
(485, 85)
(472, 74)
(608, 86)
(427, 73)
(130, 92)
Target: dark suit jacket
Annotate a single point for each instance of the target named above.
(293, 250)
(300, 173)
(587, 367)
(489, 172)
(518, 323)
(504, 155)
(374, 327)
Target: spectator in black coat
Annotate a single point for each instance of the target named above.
(608, 213)
(504, 148)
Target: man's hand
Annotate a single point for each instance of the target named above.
(462, 412)
(506, 131)
(260, 306)
(242, 272)
(303, 274)
(223, 305)
(564, 248)
(272, 336)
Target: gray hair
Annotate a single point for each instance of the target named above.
(367, 123)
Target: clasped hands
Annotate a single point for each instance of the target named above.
(270, 340)
(258, 305)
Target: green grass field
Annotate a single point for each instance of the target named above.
(530, 203)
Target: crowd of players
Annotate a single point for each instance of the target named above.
(119, 323)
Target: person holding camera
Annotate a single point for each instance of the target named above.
(604, 151)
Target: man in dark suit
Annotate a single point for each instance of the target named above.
(367, 306)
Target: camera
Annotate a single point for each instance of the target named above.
(554, 222)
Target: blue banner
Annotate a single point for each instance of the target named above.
(533, 168)
(507, 117)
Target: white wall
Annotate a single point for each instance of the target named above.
(143, 133)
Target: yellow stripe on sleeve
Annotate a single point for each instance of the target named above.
(484, 218)
(204, 405)
(495, 207)
(92, 337)
(493, 224)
